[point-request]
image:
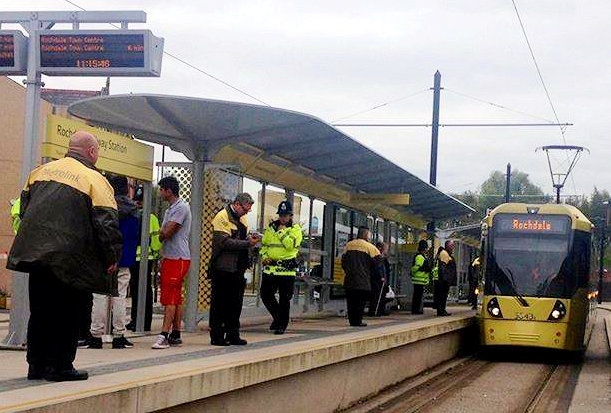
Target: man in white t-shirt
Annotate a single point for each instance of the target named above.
(176, 258)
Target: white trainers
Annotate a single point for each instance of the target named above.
(161, 343)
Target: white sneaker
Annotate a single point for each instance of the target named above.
(161, 343)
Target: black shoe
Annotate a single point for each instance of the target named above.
(174, 341)
(94, 342)
(279, 331)
(130, 326)
(66, 375)
(359, 325)
(121, 342)
(222, 342)
(237, 341)
(36, 372)
(84, 343)
(444, 314)
(273, 326)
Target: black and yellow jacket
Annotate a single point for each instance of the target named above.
(69, 224)
(230, 248)
(361, 262)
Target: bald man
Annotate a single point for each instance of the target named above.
(69, 242)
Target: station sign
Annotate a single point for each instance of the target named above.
(99, 53)
(13, 53)
(389, 199)
(118, 154)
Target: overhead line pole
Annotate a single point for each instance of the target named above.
(435, 126)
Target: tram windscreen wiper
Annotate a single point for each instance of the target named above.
(517, 295)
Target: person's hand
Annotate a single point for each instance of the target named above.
(253, 240)
(113, 268)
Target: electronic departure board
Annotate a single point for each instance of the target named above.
(531, 223)
(13, 52)
(99, 53)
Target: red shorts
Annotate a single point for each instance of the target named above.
(172, 275)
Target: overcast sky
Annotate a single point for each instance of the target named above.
(332, 59)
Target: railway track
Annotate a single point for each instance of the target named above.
(474, 385)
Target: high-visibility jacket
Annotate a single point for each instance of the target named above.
(435, 271)
(15, 208)
(154, 242)
(420, 270)
(281, 246)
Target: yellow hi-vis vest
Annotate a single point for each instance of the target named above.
(15, 209)
(280, 245)
(154, 243)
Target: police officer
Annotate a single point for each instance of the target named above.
(279, 249)
(420, 276)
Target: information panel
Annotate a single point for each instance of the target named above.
(531, 223)
(13, 52)
(100, 53)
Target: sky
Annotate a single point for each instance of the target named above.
(338, 60)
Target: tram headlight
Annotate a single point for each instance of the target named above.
(494, 309)
(558, 312)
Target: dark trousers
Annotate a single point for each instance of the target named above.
(56, 310)
(472, 296)
(133, 288)
(417, 299)
(355, 303)
(442, 296)
(84, 328)
(279, 309)
(226, 301)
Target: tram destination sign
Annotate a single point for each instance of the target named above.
(13, 52)
(528, 223)
(99, 53)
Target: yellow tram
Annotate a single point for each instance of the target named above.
(539, 277)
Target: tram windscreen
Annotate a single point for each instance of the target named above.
(529, 262)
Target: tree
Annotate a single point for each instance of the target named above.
(492, 192)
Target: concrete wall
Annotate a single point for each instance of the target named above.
(12, 119)
(336, 386)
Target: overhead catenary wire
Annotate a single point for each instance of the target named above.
(549, 99)
(192, 66)
(532, 55)
(497, 105)
(381, 105)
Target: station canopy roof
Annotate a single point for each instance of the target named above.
(279, 146)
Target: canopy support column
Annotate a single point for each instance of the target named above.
(197, 191)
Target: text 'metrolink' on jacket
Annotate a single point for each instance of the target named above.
(69, 224)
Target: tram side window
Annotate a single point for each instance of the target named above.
(581, 256)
